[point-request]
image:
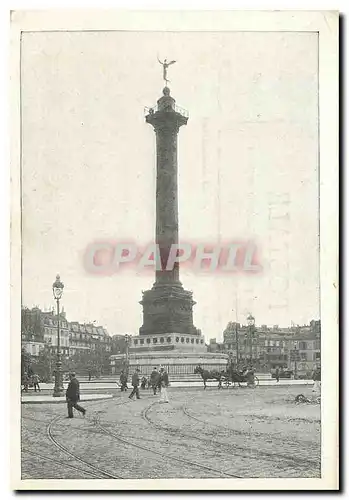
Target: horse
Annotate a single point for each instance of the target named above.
(207, 375)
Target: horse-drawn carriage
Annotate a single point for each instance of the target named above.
(234, 377)
(228, 377)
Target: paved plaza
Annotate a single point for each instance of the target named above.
(231, 433)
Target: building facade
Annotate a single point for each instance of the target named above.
(40, 333)
(297, 348)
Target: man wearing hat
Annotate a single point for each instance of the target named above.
(73, 396)
(135, 384)
(155, 380)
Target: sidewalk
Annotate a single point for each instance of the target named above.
(47, 398)
(96, 385)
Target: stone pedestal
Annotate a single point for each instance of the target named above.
(179, 365)
(167, 309)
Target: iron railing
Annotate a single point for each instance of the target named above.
(174, 107)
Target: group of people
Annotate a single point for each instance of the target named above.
(159, 381)
(30, 379)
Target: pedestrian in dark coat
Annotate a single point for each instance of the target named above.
(25, 382)
(155, 380)
(73, 396)
(135, 384)
(277, 374)
(36, 380)
(123, 381)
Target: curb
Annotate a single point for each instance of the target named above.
(59, 400)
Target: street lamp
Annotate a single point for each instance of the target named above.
(251, 325)
(57, 289)
(236, 337)
(295, 352)
(127, 342)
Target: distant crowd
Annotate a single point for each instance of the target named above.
(30, 379)
(158, 382)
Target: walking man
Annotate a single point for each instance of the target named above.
(154, 380)
(123, 381)
(277, 374)
(164, 383)
(73, 396)
(36, 380)
(135, 384)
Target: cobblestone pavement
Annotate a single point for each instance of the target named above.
(238, 432)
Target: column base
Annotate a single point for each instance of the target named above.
(167, 308)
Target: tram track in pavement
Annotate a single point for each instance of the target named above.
(100, 473)
(170, 458)
(96, 472)
(60, 462)
(231, 448)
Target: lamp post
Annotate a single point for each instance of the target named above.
(295, 352)
(236, 337)
(251, 325)
(127, 342)
(57, 289)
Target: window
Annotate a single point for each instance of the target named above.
(169, 340)
(161, 340)
(177, 339)
(148, 341)
(187, 340)
(135, 342)
(197, 341)
(192, 341)
(155, 341)
(201, 341)
(141, 341)
(182, 339)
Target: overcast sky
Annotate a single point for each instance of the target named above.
(248, 168)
